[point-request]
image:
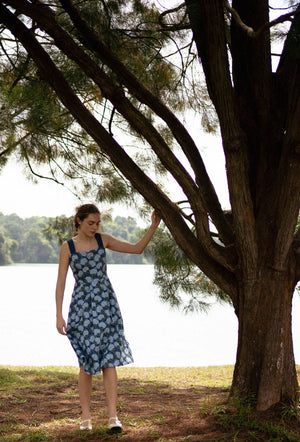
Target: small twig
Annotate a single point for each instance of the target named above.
(111, 121)
(278, 20)
(250, 31)
(64, 411)
(172, 27)
(182, 202)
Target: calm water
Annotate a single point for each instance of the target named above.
(158, 336)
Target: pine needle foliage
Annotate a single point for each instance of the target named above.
(181, 283)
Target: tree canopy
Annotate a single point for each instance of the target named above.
(108, 64)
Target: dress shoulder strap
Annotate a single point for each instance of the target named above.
(99, 240)
(71, 246)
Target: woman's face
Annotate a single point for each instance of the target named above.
(90, 225)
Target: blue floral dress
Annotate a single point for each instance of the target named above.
(95, 325)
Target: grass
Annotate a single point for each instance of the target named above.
(161, 404)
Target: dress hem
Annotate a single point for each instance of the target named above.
(107, 366)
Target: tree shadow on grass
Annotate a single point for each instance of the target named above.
(43, 405)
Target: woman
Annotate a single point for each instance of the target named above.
(95, 326)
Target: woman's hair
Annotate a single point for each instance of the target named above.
(83, 212)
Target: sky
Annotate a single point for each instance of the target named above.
(23, 197)
(46, 198)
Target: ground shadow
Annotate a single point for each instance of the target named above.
(46, 407)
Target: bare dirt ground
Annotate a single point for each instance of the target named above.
(148, 410)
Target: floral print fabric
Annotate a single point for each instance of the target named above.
(95, 325)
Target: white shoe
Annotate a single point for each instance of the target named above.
(86, 425)
(114, 425)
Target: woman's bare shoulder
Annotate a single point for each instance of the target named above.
(65, 249)
(105, 238)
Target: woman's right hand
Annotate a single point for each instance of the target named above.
(61, 326)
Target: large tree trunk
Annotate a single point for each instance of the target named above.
(265, 365)
(264, 193)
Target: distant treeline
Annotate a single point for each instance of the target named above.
(38, 239)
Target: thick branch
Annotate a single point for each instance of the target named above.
(207, 191)
(296, 248)
(288, 177)
(288, 197)
(207, 19)
(169, 211)
(281, 19)
(249, 30)
(252, 78)
(290, 50)
(45, 18)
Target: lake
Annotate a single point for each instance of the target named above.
(158, 336)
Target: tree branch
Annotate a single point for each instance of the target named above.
(144, 185)
(53, 178)
(296, 248)
(291, 47)
(250, 31)
(207, 192)
(207, 20)
(45, 18)
(287, 181)
(4, 152)
(173, 27)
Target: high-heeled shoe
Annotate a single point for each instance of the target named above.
(86, 425)
(114, 425)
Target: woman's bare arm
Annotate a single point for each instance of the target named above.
(64, 259)
(112, 243)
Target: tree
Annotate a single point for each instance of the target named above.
(37, 248)
(256, 259)
(37, 129)
(25, 241)
(6, 245)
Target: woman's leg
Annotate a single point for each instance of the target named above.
(85, 391)
(110, 381)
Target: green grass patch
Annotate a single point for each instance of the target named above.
(17, 377)
(214, 376)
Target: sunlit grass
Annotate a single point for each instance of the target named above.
(216, 376)
(12, 377)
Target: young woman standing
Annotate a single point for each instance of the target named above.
(95, 325)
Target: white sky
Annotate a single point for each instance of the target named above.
(19, 195)
(46, 198)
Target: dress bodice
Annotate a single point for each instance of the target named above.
(87, 266)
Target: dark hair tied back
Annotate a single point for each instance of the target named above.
(83, 212)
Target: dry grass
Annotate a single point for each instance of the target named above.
(163, 404)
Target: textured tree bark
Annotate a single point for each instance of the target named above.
(265, 364)
(264, 193)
